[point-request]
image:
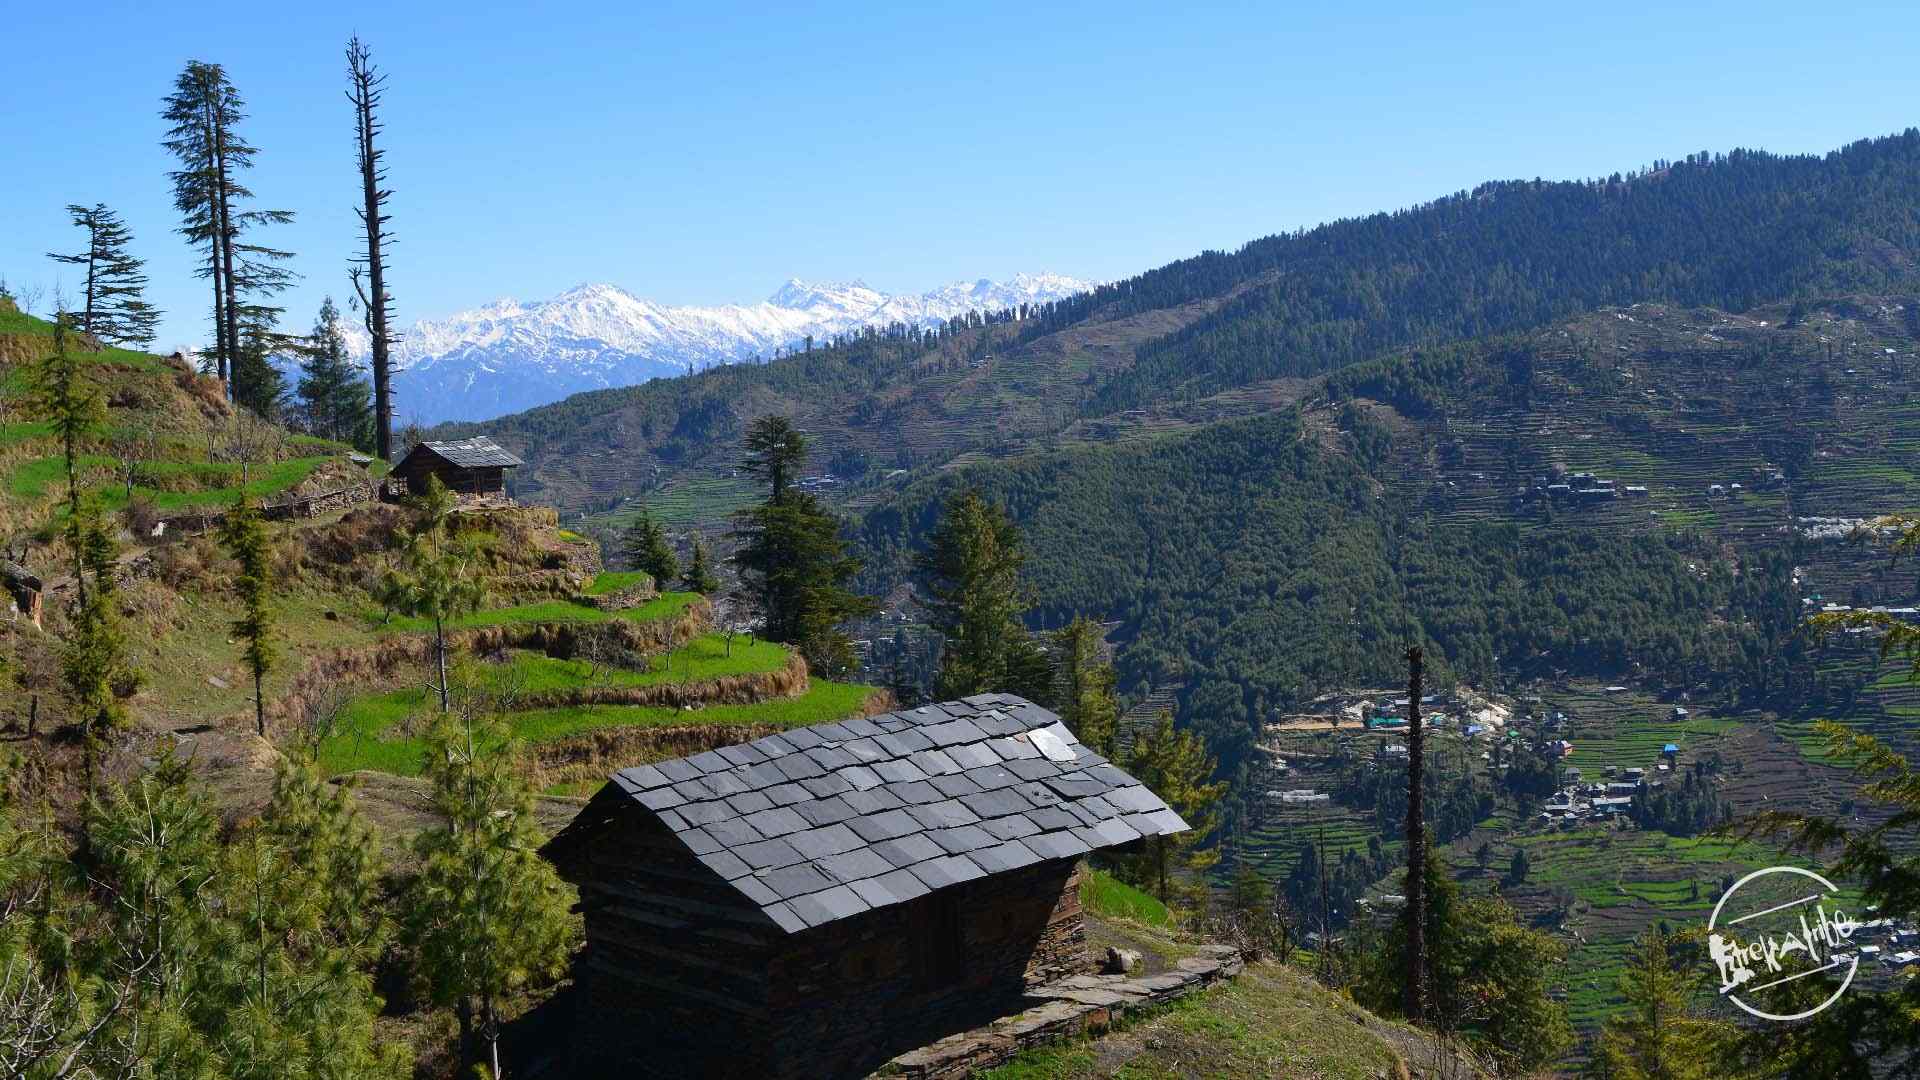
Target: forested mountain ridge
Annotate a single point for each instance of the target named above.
(1728, 231)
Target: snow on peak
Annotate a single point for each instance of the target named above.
(510, 355)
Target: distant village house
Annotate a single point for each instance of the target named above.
(473, 468)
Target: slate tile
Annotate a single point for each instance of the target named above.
(993, 804)
(823, 812)
(1033, 768)
(940, 873)
(734, 833)
(708, 761)
(972, 756)
(1087, 818)
(993, 777)
(833, 733)
(761, 775)
(908, 850)
(1169, 822)
(914, 793)
(797, 767)
(819, 843)
(898, 772)
(854, 865)
(778, 821)
(860, 727)
(1010, 828)
(883, 826)
(903, 742)
(892, 723)
(860, 777)
(803, 738)
(1039, 794)
(872, 801)
(674, 821)
(867, 751)
(705, 813)
(1030, 715)
(963, 839)
(660, 799)
(1073, 786)
(903, 884)
(768, 854)
(749, 802)
(823, 786)
(943, 815)
(953, 732)
(978, 700)
(726, 864)
(1052, 819)
(741, 754)
(1013, 749)
(700, 842)
(1142, 824)
(1099, 807)
(874, 893)
(1111, 776)
(998, 723)
(1000, 858)
(935, 763)
(1056, 845)
(831, 757)
(677, 770)
(774, 745)
(1136, 798)
(646, 777)
(724, 784)
(693, 790)
(955, 786)
(787, 794)
(1087, 759)
(755, 890)
(783, 916)
(796, 880)
(838, 902)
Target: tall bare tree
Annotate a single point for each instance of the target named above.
(366, 85)
(1416, 984)
(114, 308)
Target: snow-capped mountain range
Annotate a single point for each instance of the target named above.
(509, 355)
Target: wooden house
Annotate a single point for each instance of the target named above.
(816, 902)
(475, 467)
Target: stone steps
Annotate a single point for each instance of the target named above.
(1077, 1006)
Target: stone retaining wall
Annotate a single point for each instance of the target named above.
(1075, 1006)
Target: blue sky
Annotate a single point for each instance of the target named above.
(702, 153)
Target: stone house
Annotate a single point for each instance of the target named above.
(470, 468)
(815, 902)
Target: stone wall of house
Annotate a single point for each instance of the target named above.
(848, 996)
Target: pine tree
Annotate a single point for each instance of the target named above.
(1656, 1036)
(334, 398)
(95, 670)
(1086, 695)
(487, 915)
(205, 110)
(434, 580)
(645, 546)
(1175, 766)
(366, 84)
(115, 310)
(971, 569)
(61, 391)
(245, 536)
(792, 559)
(699, 576)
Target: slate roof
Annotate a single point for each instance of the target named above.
(477, 452)
(824, 822)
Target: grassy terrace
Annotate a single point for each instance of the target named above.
(664, 606)
(1104, 894)
(366, 737)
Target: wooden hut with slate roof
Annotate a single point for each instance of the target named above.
(815, 902)
(475, 467)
